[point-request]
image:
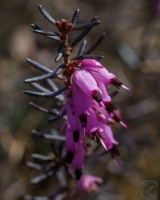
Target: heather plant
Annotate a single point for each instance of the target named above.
(87, 107)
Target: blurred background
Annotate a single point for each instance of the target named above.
(132, 51)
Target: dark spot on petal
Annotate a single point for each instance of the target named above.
(83, 119)
(109, 107)
(116, 82)
(96, 95)
(78, 173)
(76, 136)
(70, 156)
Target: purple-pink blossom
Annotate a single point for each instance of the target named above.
(87, 101)
(88, 183)
(89, 111)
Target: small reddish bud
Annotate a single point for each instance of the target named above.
(69, 27)
(59, 25)
(64, 73)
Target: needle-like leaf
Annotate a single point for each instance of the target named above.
(86, 25)
(82, 34)
(75, 17)
(46, 15)
(95, 44)
(52, 112)
(38, 66)
(55, 93)
(82, 48)
(60, 52)
(96, 57)
(57, 71)
(33, 93)
(39, 87)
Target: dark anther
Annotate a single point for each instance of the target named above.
(115, 150)
(96, 95)
(83, 119)
(116, 117)
(96, 137)
(76, 136)
(78, 173)
(116, 82)
(70, 156)
(109, 107)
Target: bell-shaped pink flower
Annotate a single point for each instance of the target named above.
(88, 84)
(88, 183)
(90, 64)
(107, 138)
(99, 73)
(92, 125)
(105, 96)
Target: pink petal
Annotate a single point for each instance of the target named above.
(107, 134)
(102, 76)
(70, 144)
(91, 123)
(81, 99)
(105, 96)
(85, 81)
(71, 115)
(91, 63)
(99, 73)
(87, 183)
(78, 160)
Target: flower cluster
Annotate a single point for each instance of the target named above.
(87, 107)
(89, 110)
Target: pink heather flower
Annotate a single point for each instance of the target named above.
(92, 124)
(72, 116)
(89, 110)
(100, 74)
(87, 104)
(88, 84)
(107, 136)
(106, 98)
(87, 183)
